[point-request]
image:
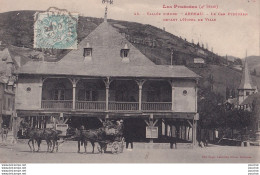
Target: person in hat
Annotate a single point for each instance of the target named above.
(4, 133)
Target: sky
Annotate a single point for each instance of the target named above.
(231, 35)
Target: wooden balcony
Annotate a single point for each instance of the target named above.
(91, 105)
(57, 104)
(156, 106)
(123, 106)
(101, 105)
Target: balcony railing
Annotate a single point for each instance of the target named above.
(91, 105)
(156, 106)
(56, 104)
(101, 105)
(122, 106)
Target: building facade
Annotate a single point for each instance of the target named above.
(7, 88)
(107, 78)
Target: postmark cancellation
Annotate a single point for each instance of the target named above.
(55, 29)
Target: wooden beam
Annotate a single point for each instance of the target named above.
(66, 121)
(190, 124)
(100, 120)
(155, 122)
(147, 123)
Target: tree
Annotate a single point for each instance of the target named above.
(210, 109)
(227, 93)
(254, 72)
(239, 120)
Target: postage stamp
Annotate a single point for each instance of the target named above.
(56, 29)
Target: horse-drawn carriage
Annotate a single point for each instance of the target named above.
(113, 140)
(109, 137)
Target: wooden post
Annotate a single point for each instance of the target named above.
(74, 96)
(74, 82)
(196, 96)
(107, 82)
(194, 127)
(166, 129)
(40, 97)
(172, 85)
(140, 98)
(107, 94)
(140, 86)
(151, 124)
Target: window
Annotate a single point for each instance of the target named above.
(124, 53)
(28, 89)
(185, 92)
(87, 52)
(87, 95)
(121, 95)
(59, 92)
(247, 93)
(4, 103)
(9, 104)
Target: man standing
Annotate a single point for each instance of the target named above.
(128, 134)
(4, 134)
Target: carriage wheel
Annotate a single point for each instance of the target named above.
(115, 148)
(121, 147)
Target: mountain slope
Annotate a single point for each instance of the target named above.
(16, 28)
(254, 63)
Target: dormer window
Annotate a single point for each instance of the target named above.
(87, 52)
(124, 53)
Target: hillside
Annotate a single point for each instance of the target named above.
(254, 63)
(16, 28)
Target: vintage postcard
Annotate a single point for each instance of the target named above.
(140, 81)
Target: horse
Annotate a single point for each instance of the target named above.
(37, 135)
(92, 135)
(51, 137)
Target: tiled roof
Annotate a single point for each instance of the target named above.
(250, 99)
(82, 69)
(106, 43)
(5, 56)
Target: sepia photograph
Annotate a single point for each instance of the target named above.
(140, 81)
